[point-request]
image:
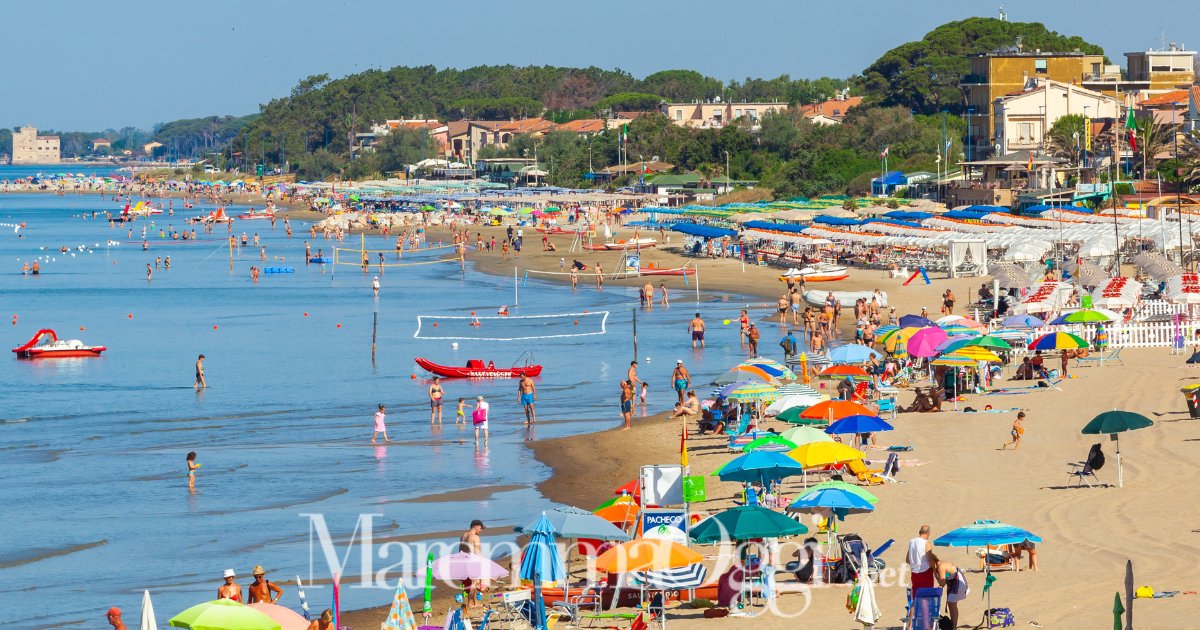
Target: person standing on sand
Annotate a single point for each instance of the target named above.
(680, 379)
(783, 309)
(380, 425)
(114, 619)
(796, 299)
(696, 327)
(201, 383)
(526, 395)
(192, 467)
(599, 277)
(921, 559)
(950, 576)
(1018, 429)
(627, 403)
(436, 394)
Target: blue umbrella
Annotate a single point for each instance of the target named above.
(540, 563)
(852, 353)
(915, 321)
(1022, 321)
(983, 533)
(760, 466)
(572, 522)
(858, 424)
(832, 499)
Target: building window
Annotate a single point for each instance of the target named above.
(1024, 132)
(737, 113)
(1039, 66)
(679, 114)
(751, 113)
(1095, 71)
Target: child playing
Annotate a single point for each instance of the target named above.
(460, 415)
(645, 388)
(192, 466)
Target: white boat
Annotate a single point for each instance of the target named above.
(820, 272)
(817, 297)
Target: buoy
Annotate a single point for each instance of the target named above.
(306, 313)
(435, 324)
(454, 345)
(83, 328)
(131, 316)
(339, 325)
(214, 327)
(472, 313)
(414, 377)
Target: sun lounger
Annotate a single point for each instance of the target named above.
(859, 469)
(1100, 358)
(998, 558)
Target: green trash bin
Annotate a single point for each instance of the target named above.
(694, 490)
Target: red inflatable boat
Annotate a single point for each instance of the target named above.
(46, 345)
(476, 369)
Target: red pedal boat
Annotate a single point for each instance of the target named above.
(477, 369)
(46, 345)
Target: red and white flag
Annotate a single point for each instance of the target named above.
(884, 152)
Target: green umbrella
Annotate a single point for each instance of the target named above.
(770, 443)
(805, 435)
(745, 523)
(989, 341)
(1086, 316)
(1118, 610)
(223, 614)
(792, 416)
(1113, 423)
(848, 487)
(428, 208)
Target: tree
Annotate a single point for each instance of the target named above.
(629, 102)
(401, 147)
(682, 85)
(924, 76)
(1189, 157)
(1153, 139)
(1067, 138)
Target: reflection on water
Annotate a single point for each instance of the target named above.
(94, 448)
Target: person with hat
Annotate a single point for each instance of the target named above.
(324, 622)
(479, 418)
(114, 618)
(261, 588)
(229, 590)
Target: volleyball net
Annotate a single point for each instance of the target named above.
(511, 327)
(393, 258)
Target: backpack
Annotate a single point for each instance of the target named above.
(788, 345)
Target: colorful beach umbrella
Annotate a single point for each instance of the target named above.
(989, 341)
(753, 391)
(745, 523)
(805, 435)
(883, 331)
(831, 499)
(915, 321)
(467, 566)
(953, 360)
(848, 487)
(795, 415)
(223, 614)
(1022, 321)
(1084, 316)
(858, 424)
(956, 329)
(844, 370)
(819, 454)
(924, 342)
(572, 522)
(977, 353)
(541, 560)
(646, 554)
(1058, 341)
(290, 620)
(772, 442)
(831, 410)
(852, 353)
(761, 466)
(1113, 423)
(983, 533)
(784, 403)
(797, 389)
(400, 616)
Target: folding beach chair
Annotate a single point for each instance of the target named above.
(859, 469)
(890, 468)
(998, 558)
(924, 608)
(1085, 471)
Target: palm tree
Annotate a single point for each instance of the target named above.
(1153, 138)
(1189, 156)
(706, 171)
(1067, 139)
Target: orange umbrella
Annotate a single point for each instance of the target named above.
(844, 370)
(835, 410)
(646, 554)
(621, 512)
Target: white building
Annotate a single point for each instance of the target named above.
(1022, 120)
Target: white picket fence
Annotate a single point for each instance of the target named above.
(1129, 335)
(1155, 308)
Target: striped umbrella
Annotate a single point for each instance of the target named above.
(772, 365)
(957, 329)
(882, 331)
(754, 391)
(953, 360)
(797, 389)
(977, 353)
(1058, 341)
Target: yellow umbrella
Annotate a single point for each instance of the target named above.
(818, 454)
(898, 339)
(976, 353)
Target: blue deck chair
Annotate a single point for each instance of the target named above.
(925, 608)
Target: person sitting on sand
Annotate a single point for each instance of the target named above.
(921, 403)
(692, 404)
(936, 395)
(709, 422)
(324, 622)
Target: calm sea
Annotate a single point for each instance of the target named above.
(92, 450)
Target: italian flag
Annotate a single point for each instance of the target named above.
(1131, 129)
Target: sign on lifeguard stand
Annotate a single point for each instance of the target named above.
(633, 263)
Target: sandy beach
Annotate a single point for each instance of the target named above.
(955, 474)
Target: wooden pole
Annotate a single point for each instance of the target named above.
(635, 349)
(374, 330)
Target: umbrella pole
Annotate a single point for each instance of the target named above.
(1120, 470)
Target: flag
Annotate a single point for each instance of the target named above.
(1131, 129)
(1087, 134)
(1029, 166)
(884, 152)
(625, 133)
(683, 454)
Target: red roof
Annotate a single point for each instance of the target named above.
(1172, 97)
(586, 125)
(832, 108)
(527, 125)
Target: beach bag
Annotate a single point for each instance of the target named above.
(944, 623)
(479, 416)
(1144, 592)
(1000, 617)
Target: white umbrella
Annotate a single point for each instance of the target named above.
(148, 620)
(867, 612)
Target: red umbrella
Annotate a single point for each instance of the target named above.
(843, 370)
(631, 489)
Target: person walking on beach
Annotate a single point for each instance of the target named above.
(436, 394)
(649, 292)
(627, 403)
(201, 383)
(229, 590)
(526, 394)
(696, 327)
(192, 466)
(752, 337)
(783, 309)
(680, 379)
(261, 588)
(921, 559)
(479, 418)
(114, 619)
(380, 425)
(1018, 429)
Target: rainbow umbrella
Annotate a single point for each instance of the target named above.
(977, 353)
(754, 391)
(957, 329)
(1058, 341)
(953, 360)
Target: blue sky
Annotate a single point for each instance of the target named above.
(91, 65)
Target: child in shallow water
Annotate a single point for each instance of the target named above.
(459, 414)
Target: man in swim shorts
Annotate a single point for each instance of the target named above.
(696, 327)
(435, 401)
(627, 403)
(200, 382)
(526, 394)
(680, 379)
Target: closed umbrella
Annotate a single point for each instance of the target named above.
(1113, 423)
(745, 523)
(867, 612)
(223, 614)
(572, 522)
(541, 563)
(149, 622)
